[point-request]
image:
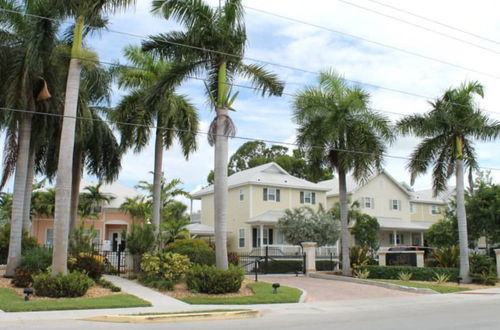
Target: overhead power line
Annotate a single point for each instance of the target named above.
(420, 26)
(359, 82)
(198, 132)
(436, 22)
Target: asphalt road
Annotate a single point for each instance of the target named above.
(418, 312)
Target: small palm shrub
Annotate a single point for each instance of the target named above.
(362, 274)
(210, 279)
(405, 276)
(360, 257)
(74, 284)
(447, 257)
(90, 264)
(34, 261)
(197, 250)
(167, 266)
(441, 278)
(482, 269)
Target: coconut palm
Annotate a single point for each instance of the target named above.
(91, 201)
(26, 55)
(337, 129)
(138, 207)
(213, 42)
(173, 115)
(168, 190)
(44, 202)
(448, 132)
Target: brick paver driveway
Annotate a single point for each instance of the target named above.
(324, 290)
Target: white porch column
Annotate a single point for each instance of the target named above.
(261, 230)
(497, 252)
(422, 238)
(310, 251)
(395, 237)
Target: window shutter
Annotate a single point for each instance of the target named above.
(277, 195)
(390, 204)
(373, 203)
(313, 197)
(399, 205)
(265, 194)
(301, 197)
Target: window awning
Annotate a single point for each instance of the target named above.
(400, 224)
(268, 217)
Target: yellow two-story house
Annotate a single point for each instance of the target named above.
(403, 215)
(257, 198)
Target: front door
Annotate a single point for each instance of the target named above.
(115, 236)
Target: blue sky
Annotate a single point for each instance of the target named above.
(293, 44)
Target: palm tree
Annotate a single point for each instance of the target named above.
(168, 190)
(83, 11)
(92, 200)
(448, 132)
(172, 113)
(26, 49)
(213, 41)
(337, 129)
(138, 207)
(44, 202)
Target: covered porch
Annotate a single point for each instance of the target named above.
(396, 232)
(113, 235)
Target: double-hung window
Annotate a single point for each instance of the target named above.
(395, 205)
(435, 210)
(413, 208)
(241, 238)
(367, 203)
(242, 195)
(271, 194)
(49, 236)
(307, 197)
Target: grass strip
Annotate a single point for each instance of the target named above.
(11, 302)
(436, 287)
(263, 294)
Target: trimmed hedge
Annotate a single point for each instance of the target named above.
(210, 279)
(73, 284)
(418, 274)
(292, 266)
(197, 250)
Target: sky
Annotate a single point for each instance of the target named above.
(312, 49)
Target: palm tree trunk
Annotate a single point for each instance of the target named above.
(344, 208)
(75, 185)
(220, 191)
(28, 191)
(462, 222)
(65, 162)
(15, 241)
(157, 175)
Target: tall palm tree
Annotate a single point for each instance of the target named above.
(168, 190)
(448, 132)
(337, 129)
(83, 11)
(26, 49)
(91, 201)
(138, 207)
(44, 202)
(173, 115)
(213, 42)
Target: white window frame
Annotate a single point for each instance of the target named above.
(367, 203)
(242, 195)
(399, 239)
(308, 197)
(271, 192)
(434, 210)
(413, 208)
(241, 238)
(47, 236)
(398, 205)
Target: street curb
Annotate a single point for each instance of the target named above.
(188, 317)
(303, 296)
(373, 283)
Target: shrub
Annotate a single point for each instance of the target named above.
(23, 278)
(359, 257)
(34, 261)
(419, 274)
(74, 284)
(442, 278)
(92, 265)
(28, 243)
(282, 266)
(233, 258)
(482, 269)
(447, 257)
(362, 274)
(197, 250)
(405, 276)
(157, 283)
(325, 265)
(81, 240)
(140, 239)
(210, 279)
(108, 285)
(167, 266)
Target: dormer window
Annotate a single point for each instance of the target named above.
(271, 194)
(307, 197)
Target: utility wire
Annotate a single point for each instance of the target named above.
(402, 50)
(436, 22)
(198, 132)
(420, 26)
(394, 90)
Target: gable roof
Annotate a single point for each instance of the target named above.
(270, 174)
(353, 185)
(427, 196)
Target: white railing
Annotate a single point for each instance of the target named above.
(285, 249)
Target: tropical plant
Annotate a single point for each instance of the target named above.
(168, 190)
(307, 225)
(365, 230)
(172, 114)
(138, 207)
(441, 278)
(443, 233)
(5, 207)
(447, 257)
(26, 48)
(338, 130)
(92, 200)
(213, 42)
(171, 267)
(449, 131)
(82, 240)
(359, 258)
(405, 276)
(141, 239)
(90, 13)
(197, 250)
(44, 202)
(362, 274)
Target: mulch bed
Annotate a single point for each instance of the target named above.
(180, 291)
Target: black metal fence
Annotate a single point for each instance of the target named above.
(272, 260)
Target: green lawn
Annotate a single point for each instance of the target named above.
(11, 302)
(433, 286)
(263, 294)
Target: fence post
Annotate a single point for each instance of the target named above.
(331, 261)
(304, 260)
(256, 270)
(310, 261)
(266, 260)
(119, 252)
